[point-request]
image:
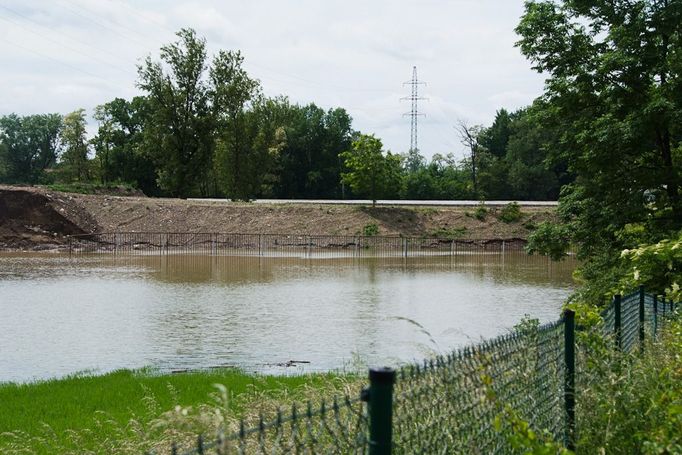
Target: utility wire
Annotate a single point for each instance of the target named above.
(66, 46)
(75, 68)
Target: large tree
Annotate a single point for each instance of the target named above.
(179, 133)
(74, 159)
(234, 94)
(30, 145)
(118, 144)
(613, 92)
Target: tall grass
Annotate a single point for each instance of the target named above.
(132, 412)
(631, 403)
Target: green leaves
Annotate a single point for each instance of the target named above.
(28, 146)
(370, 172)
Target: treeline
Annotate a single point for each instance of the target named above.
(203, 127)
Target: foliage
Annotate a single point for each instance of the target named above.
(523, 438)
(481, 212)
(450, 233)
(510, 213)
(657, 267)
(515, 160)
(636, 409)
(74, 159)
(370, 229)
(119, 151)
(612, 99)
(370, 172)
(549, 239)
(179, 131)
(28, 146)
(118, 188)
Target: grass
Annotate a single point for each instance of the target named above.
(80, 412)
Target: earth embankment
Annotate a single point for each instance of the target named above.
(36, 218)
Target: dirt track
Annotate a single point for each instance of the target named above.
(35, 218)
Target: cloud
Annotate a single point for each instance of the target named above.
(65, 54)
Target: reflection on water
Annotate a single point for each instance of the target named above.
(62, 315)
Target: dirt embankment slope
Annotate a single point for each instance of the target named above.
(33, 218)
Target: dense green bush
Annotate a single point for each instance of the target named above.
(549, 239)
(510, 213)
(370, 230)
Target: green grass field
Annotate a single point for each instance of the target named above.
(82, 411)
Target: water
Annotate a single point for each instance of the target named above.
(99, 313)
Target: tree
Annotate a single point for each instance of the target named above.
(179, 134)
(233, 93)
(495, 138)
(74, 159)
(469, 137)
(118, 144)
(29, 146)
(370, 172)
(310, 160)
(614, 94)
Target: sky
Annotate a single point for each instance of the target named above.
(62, 55)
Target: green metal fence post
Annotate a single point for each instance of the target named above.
(380, 406)
(655, 314)
(569, 379)
(671, 306)
(617, 321)
(641, 318)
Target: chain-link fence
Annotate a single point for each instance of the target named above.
(455, 403)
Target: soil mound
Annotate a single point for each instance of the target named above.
(31, 218)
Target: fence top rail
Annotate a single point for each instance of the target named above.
(390, 237)
(412, 370)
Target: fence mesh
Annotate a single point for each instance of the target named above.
(453, 401)
(338, 426)
(456, 403)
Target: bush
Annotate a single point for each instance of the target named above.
(510, 213)
(631, 403)
(481, 212)
(370, 230)
(549, 239)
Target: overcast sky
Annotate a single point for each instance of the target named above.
(61, 55)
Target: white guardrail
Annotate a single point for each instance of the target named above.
(386, 202)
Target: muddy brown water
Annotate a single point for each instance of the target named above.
(98, 313)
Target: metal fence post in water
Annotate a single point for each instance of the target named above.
(569, 379)
(641, 318)
(379, 399)
(617, 321)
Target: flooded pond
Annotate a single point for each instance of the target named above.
(62, 315)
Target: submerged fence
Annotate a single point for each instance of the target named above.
(462, 402)
(285, 244)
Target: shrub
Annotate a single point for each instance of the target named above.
(481, 212)
(510, 213)
(370, 230)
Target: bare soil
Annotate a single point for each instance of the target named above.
(36, 218)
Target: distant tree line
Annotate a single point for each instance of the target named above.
(203, 127)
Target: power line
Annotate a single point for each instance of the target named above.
(414, 112)
(62, 44)
(80, 70)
